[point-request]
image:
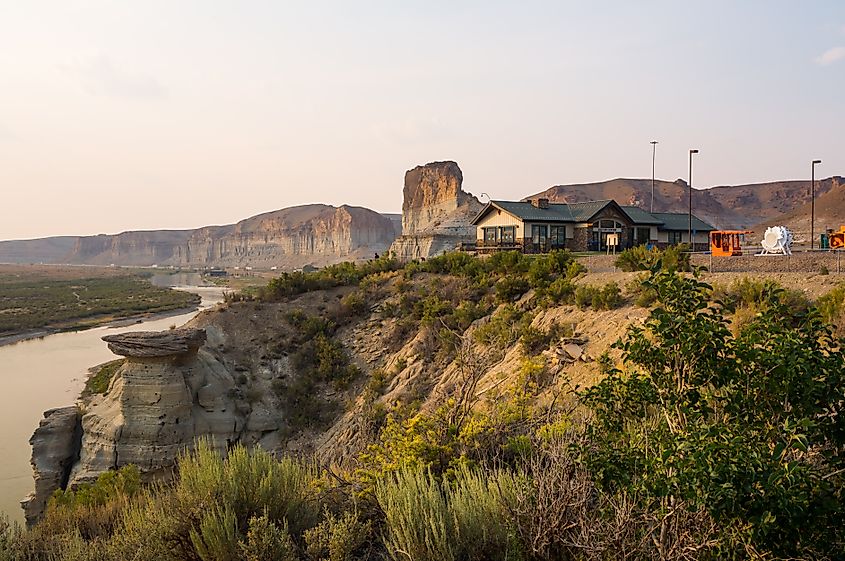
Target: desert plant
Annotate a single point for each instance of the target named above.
(418, 524)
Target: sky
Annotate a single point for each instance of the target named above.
(120, 115)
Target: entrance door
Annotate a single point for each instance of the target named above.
(539, 237)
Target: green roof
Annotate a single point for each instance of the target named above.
(557, 212)
(640, 216)
(680, 221)
(583, 212)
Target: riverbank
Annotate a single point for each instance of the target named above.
(37, 301)
(107, 321)
(51, 371)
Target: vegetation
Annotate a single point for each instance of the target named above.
(641, 258)
(99, 381)
(39, 300)
(706, 438)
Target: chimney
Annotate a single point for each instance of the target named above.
(540, 203)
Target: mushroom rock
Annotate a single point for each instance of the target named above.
(168, 393)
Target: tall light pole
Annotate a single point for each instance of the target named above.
(813, 202)
(689, 232)
(653, 155)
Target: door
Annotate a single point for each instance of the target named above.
(539, 237)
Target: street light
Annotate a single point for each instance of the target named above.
(653, 154)
(689, 232)
(813, 202)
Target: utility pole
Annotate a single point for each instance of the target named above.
(689, 232)
(653, 155)
(813, 202)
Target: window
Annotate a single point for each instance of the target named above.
(674, 237)
(557, 236)
(490, 235)
(508, 233)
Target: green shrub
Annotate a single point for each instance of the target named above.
(640, 258)
(748, 430)
(831, 306)
(504, 327)
(99, 382)
(644, 296)
(267, 540)
(418, 524)
(122, 483)
(607, 297)
(338, 538)
(757, 295)
(481, 505)
(535, 340)
(510, 288)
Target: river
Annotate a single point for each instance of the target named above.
(50, 372)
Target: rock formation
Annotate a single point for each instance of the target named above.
(55, 448)
(292, 237)
(167, 393)
(436, 212)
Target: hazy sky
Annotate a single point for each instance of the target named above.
(119, 115)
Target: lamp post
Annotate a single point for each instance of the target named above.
(813, 202)
(653, 155)
(689, 232)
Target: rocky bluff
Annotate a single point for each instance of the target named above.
(167, 393)
(315, 234)
(436, 212)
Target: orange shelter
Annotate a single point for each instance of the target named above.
(727, 242)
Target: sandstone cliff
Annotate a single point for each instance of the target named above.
(292, 237)
(436, 212)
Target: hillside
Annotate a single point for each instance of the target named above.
(830, 213)
(41, 250)
(733, 206)
(450, 405)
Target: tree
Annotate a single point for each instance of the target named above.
(749, 426)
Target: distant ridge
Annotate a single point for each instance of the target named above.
(729, 206)
(292, 237)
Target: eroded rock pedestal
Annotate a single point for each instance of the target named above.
(168, 393)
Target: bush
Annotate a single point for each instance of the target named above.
(418, 523)
(510, 288)
(748, 430)
(99, 382)
(607, 297)
(640, 258)
(831, 306)
(466, 518)
(338, 538)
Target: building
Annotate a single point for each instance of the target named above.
(538, 226)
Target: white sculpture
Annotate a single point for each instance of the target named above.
(777, 241)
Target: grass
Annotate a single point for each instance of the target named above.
(98, 383)
(39, 299)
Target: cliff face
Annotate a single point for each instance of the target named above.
(436, 212)
(298, 235)
(292, 237)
